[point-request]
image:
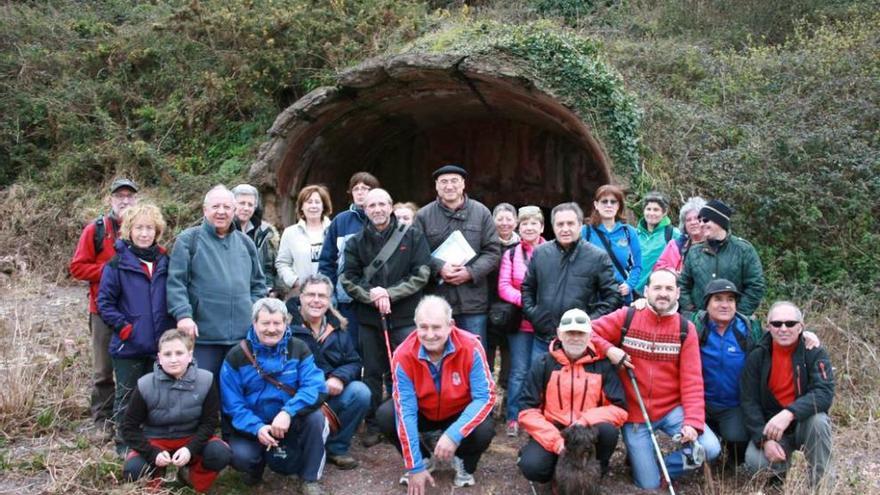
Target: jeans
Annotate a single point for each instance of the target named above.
(350, 407)
(539, 465)
(539, 348)
(731, 428)
(376, 361)
(814, 435)
(102, 376)
(349, 311)
(210, 357)
(646, 470)
(475, 324)
(300, 452)
(520, 344)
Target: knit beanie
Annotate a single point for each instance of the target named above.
(718, 212)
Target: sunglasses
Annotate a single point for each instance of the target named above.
(787, 323)
(580, 320)
(704, 220)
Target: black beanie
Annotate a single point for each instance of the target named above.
(718, 212)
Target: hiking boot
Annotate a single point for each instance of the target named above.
(371, 438)
(512, 428)
(183, 476)
(429, 467)
(312, 488)
(342, 461)
(462, 477)
(251, 479)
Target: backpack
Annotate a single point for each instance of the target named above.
(100, 232)
(631, 312)
(668, 232)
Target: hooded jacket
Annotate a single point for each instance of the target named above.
(250, 401)
(335, 354)
(813, 386)
(734, 259)
(558, 280)
(86, 264)
(652, 244)
(128, 295)
(332, 261)
(558, 393)
(624, 241)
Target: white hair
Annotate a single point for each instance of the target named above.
(432, 301)
(246, 190)
(220, 188)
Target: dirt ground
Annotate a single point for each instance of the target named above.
(63, 459)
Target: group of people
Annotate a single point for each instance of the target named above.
(392, 316)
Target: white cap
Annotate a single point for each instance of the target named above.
(575, 320)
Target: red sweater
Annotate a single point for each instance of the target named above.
(88, 266)
(653, 342)
(781, 381)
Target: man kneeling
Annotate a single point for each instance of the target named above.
(441, 382)
(272, 391)
(570, 385)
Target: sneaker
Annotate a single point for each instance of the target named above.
(429, 466)
(312, 488)
(343, 461)
(512, 428)
(462, 477)
(371, 438)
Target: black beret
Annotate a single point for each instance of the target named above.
(449, 169)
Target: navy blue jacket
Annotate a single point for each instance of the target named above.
(127, 295)
(336, 356)
(332, 260)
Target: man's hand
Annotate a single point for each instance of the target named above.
(811, 340)
(688, 434)
(377, 293)
(455, 274)
(417, 483)
(181, 457)
(445, 448)
(775, 428)
(773, 451)
(264, 436)
(188, 326)
(623, 289)
(640, 304)
(616, 355)
(383, 305)
(280, 425)
(163, 459)
(334, 386)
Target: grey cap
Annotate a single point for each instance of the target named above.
(719, 286)
(123, 182)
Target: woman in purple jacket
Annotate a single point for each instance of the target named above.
(131, 300)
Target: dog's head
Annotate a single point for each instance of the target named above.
(579, 439)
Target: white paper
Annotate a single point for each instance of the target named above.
(455, 250)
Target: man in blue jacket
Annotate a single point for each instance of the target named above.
(213, 278)
(344, 226)
(279, 424)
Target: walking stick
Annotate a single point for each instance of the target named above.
(632, 377)
(387, 338)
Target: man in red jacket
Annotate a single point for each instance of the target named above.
(441, 382)
(95, 247)
(663, 351)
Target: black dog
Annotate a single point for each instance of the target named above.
(577, 471)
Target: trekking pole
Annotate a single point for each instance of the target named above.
(632, 377)
(385, 332)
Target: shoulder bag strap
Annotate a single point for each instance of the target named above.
(265, 376)
(630, 313)
(386, 252)
(605, 242)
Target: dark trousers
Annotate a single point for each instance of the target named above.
(498, 345)
(102, 377)
(539, 465)
(469, 450)
(376, 363)
(204, 468)
(349, 311)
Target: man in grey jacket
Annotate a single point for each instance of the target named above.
(566, 273)
(463, 285)
(214, 277)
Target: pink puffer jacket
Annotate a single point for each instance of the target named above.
(511, 275)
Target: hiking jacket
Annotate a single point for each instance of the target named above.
(461, 385)
(332, 260)
(813, 386)
(266, 239)
(475, 222)
(404, 274)
(735, 260)
(652, 244)
(250, 401)
(558, 280)
(558, 393)
(335, 353)
(217, 284)
(668, 369)
(624, 240)
(128, 295)
(297, 256)
(492, 277)
(162, 407)
(672, 257)
(86, 264)
(514, 265)
(724, 356)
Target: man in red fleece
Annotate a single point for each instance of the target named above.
(664, 353)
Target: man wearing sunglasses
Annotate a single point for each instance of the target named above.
(721, 255)
(786, 391)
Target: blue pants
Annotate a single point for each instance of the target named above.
(300, 452)
(350, 407)
(539, 348)
(646, 469)
(210, 357)
(520, 344)
(475, 324)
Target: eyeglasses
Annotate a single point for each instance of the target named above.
(580, 320)
(607, 201)
(787, 323)
(124, 196)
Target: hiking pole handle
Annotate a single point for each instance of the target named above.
(635, 384)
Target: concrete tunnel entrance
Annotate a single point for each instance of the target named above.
(400, 118)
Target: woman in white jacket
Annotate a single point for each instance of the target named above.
(301, 242)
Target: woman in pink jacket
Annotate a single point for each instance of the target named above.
(673, 254)
(510, 277)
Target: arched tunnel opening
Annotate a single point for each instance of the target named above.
(400, 118)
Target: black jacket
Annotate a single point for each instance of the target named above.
(813, 383)
(336, 356)
(558, 280)
(404, 274)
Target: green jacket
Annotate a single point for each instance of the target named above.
(736, 260)
(653, 243)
